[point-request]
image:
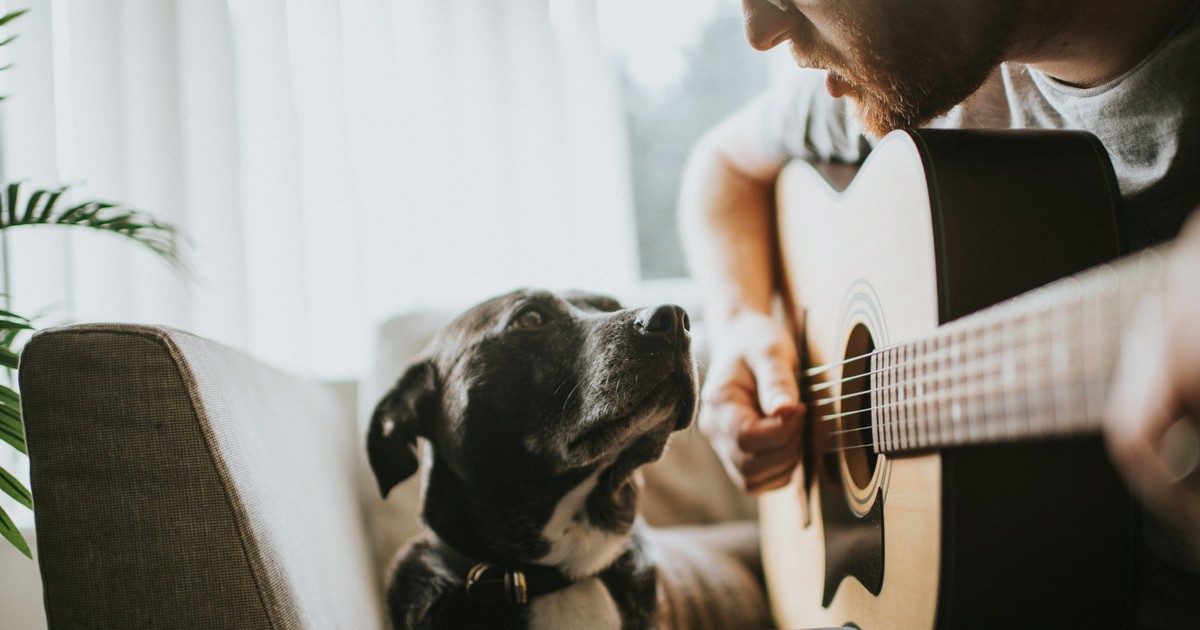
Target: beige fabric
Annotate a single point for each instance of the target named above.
(180, 484)
(393, 522)
(688, 486)
(709, 576)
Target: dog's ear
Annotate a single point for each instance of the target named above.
(398, 419)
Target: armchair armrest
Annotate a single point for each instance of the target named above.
(181, 484)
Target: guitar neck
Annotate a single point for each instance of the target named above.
(1035, 366)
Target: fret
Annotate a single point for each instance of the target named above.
(922, 391)
(1044, 420)
(874, 400)
(881, 365)
(1059, 370)
(892, 416)
(909, 409)
(898, 390)
(969, 416)
(942, 387)
(957, 353)
(1011, 373)
(994, 385)
(1094, 315)
(897, 396)
(1073, 322)
(1028, 380)
(982, 385)
(918, 388)
(885, 390)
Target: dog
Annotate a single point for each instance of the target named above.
(538, 409)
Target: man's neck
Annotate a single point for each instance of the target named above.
(1090, 42)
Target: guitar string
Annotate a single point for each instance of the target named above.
(989, 367)
(970, 329)
(1082, 376)
(1045, 404)
(984, 342)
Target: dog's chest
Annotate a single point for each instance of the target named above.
(578, 547)
(584, 604)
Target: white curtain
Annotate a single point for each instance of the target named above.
(332, 162)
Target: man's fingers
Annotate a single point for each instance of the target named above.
(1140, 410)
(765, 466)
(769, 483)
(762, 434)
(775, 378)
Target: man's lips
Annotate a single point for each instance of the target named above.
(836, 85)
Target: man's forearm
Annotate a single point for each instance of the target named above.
(726, 217)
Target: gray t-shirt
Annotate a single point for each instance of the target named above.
(1148, 119)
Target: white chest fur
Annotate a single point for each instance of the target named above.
(584, 604)
(577, 548)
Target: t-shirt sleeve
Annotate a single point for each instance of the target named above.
(799, 119)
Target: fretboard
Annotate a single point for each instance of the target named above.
(1037, 365)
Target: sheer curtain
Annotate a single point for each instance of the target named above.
(332, 162)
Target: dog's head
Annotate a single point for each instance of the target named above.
(527, 394)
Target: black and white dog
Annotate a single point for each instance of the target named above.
(539, 409)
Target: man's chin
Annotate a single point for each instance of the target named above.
(876, 119)
(878, 116)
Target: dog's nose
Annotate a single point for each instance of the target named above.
(666, 321)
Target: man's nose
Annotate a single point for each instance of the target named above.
(766, 25)
(667, 322)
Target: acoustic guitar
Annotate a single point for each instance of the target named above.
(953, 474)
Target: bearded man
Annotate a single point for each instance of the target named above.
(1127, 71)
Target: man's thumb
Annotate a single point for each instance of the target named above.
(776, 384)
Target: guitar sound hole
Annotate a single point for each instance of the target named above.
(855, 437)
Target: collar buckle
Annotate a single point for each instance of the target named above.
(496, 584)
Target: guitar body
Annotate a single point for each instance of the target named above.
(936, 225)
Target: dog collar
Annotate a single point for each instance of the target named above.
(495, 584)
(491, 583)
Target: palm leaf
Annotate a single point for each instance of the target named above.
(10, 531)
(41, 208)
(15, 489)
(8, 40)
(9, 397)
(11, 417)
(10, 202)
(8, 17)
(11, 430)
(12, 324)
(9, 359)
(12, 315)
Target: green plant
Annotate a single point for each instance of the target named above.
(43, 208)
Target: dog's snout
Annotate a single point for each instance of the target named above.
(666, 321)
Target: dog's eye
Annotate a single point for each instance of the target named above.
(528, 320)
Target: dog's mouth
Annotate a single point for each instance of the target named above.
(669, 403)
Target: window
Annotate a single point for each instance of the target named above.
(684, 65)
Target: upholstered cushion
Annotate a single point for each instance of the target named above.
(687, 487)
(180, 484)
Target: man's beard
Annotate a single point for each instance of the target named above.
(910, 76)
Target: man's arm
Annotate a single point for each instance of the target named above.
(750, 404)
(750, 400)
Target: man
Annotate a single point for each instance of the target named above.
(1125, 70)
